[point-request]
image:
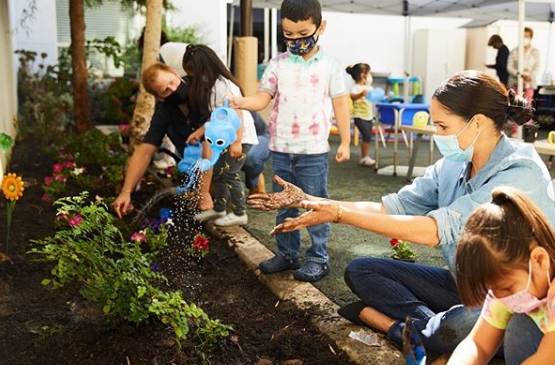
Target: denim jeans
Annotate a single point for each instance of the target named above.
(427, 294)
(310, 173)
(256, 161)
(522, 339)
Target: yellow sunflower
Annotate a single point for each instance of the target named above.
(12, 186)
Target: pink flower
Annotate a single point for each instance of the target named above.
(61, 217)
(123, 128)
(138, 236)
(46, 198)
(76, 220)
(60, 177)
(48, 180)
(57, 168)
(68, 164)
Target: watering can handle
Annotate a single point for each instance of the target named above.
(226, 102)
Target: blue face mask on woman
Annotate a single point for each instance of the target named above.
(303, 45)
(450, 149)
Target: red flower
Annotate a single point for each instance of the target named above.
(393, 242)
(60, 177)
(123, 128)
(48, 180)
(76, 220)
(201, 243)
(68, 164)
(46, 198)
(57, 168)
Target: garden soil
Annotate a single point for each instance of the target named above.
(40, 326)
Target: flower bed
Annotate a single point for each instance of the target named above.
(40, 325)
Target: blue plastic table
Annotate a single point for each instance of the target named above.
(402, 114)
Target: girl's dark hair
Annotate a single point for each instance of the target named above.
(497, 239)
(297, 10)
(205, 67)
(471, 92)
(357, 70)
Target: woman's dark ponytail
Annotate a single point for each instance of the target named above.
(519, 109)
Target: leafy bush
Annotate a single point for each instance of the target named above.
(45, 99)
(116, 274)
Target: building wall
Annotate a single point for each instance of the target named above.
(376, 39)
(210, 18)
(39, 33)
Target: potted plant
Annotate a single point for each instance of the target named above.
(402, 250)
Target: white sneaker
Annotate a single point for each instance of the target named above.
(208, 215)
(367, 161)
(232, 220)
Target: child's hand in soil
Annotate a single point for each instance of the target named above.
(291, 196)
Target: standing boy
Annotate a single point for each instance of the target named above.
(306, 83)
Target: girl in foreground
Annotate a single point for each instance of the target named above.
(506, 255)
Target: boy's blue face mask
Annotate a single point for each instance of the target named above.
(450, 149)
(303, 45)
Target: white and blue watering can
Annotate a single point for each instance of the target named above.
(219, 132)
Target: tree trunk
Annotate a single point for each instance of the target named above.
(145, 102)
(81, 106)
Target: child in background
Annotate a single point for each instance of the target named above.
(305, 83)
(210, 82)
(506, 255)
(362, 108)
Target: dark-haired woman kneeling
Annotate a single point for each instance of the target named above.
(469, 110)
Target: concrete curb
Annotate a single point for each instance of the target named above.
(306, 297)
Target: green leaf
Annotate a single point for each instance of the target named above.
(45, 282)
(106, 309)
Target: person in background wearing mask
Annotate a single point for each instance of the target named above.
(501, 59)
(530, 69)
(469, 110)
(173, 118)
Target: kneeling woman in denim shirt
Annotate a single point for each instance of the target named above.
(470, 111)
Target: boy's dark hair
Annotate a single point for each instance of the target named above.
(298, 10)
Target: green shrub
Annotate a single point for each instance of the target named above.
(116, 274)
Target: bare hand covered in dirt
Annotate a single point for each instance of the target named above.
(291, 196)
(318, 212)
(122, 205)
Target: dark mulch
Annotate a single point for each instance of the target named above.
(44, 326)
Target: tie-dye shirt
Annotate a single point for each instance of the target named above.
(498, 315)
(300, 121)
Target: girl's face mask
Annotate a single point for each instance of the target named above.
(303, 45)
(523, 301)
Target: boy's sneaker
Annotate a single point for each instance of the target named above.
(232, 220)
(278, 264)
(312, 271)
(208, 215)
(367, 161)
